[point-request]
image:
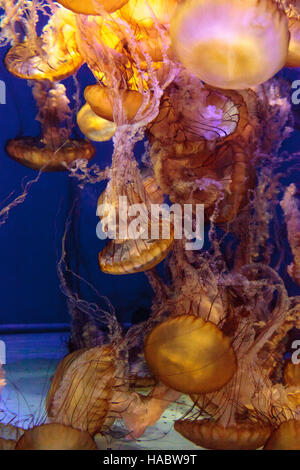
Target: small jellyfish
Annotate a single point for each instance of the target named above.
(52, 56)
(55, 436)
(101, 101)
(146, 13)
(190, 355)
(234, 44)
(286, 437)
(94, 127)
(92, 7)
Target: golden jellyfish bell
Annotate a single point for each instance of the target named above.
(286, 437)
(190, 355)
(133, 256)
(99, 99)
(92, 7)
(29, 152)
(143, 12)
(82, 389)
(293, 58)
(234, 44)
(212, 435)
(291, 375)
(93, 126)
(55, 436)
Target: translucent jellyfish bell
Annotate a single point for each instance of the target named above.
(101, 102)
(55, 436)
(93, 126)
(92, 7)
(190, 355)
(286, 437)
(293, 58)
(235, 44)
(212, 435)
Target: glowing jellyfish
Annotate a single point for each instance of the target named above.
(55, 150)
(55, 436)
(211, 435)
(146, 13)
(190, 355)
(133, 256)
(82, 389)
(53, 56)
(101, 101)
(293, 58)
(235, 44)
(93, 126)
(92, 7)
(286, 437)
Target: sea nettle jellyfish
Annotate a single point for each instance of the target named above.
(55, 150)
(190, 355)
(93, 7)
(293, 58)
(93, 126)
(55, 436)
(235, 44)
(140, 242)
(52, 56)
(286, 437)
(82, 389)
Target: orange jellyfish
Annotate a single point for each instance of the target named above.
(234, 44)
(53, 56)
(82, 389)
(293, 58)
(100, 100)
(55, 436)
(93, 126)
(190, 355)
(92, 7)
(55, 150)
(286, 437)
(210, 435)
(146, 13)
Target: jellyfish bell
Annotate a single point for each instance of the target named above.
(286, 437)
(134, 256)
(55, 436)
(190, 355)
(102, 103)
(53, 56)
(82, 389)
(234, 44)
(93, 126)
(293, 58)
(210, 434)
(145, 13)
(92, 7)
(31, 153)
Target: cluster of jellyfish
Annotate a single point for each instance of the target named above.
(202, 82)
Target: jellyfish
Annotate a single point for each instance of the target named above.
(231, 44)
(55, 150)
(53, 56)
(100, 101)
(293, 58)
(55, 436)
(93, 7)
(190, 355)
(93, 126)
(92, 375)
(286, 437)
